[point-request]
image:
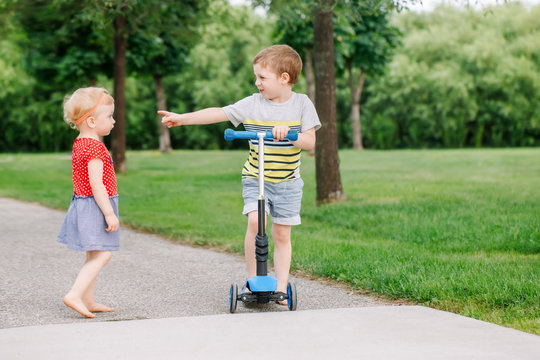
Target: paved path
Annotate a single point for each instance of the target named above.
(179, 295)
(148, 278)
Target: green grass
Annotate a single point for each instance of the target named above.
(458, 230)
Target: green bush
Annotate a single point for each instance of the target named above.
(461, 78)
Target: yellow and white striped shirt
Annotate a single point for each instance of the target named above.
(281, 158)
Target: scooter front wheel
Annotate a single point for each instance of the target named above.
(233, 298)
(291, 292)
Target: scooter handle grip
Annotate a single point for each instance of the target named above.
(231, 134)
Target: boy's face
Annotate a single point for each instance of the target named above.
(272, 86)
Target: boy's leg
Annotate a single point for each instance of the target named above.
(95, 261)
(286, 200)
(281, 234)
(249, 244)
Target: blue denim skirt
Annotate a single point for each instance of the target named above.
(84, 226)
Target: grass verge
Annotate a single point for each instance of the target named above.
(458, 230)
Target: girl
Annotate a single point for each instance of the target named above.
(91, 223)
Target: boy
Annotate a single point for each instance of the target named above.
(276, 107)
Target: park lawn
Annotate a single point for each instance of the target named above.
(457, 230)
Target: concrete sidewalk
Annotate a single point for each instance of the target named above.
(177, 300)
(385, 332)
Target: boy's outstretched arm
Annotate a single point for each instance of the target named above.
(201, 117)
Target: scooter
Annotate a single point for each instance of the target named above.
(262, 287)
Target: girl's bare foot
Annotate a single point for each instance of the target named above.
(95, 307)
(78, 306)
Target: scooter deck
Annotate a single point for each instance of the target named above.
(261, 283)
(262, 290)
(262, 297)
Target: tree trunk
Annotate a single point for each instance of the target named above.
(356, 93)
(164, 135)
(310, 82)
(308, 71)
(118, 145)
(329, 188)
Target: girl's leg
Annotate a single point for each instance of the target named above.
(88, 299)
(281, 235)
(95, 261)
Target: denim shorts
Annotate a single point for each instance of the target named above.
(283, 200)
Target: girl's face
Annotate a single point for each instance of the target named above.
(104, 119)
(270, 85)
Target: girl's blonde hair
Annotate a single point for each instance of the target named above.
(281, 59)
(81, 101)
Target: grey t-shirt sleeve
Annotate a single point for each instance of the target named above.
(238, 112)
(310, 119)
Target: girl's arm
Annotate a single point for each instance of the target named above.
(201, 117)
(306, 139)
(95, 174)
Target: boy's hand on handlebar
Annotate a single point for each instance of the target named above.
(169, 119)
(280, 132)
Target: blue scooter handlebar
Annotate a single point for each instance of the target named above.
(231, 134)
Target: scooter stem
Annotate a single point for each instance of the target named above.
(261, 240)
(261, 136)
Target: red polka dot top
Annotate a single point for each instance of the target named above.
(84, 150)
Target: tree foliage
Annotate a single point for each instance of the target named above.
(162, 39)
(56, 51)
(462, 78)
(219, 71)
